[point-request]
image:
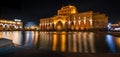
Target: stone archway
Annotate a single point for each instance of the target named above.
(82, 25)
(59, 26)
(6, 26)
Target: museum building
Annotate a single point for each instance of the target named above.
(68, 18)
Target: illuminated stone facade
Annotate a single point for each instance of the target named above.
(68, 18)
(11, 25)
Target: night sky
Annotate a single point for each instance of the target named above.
(33, 10)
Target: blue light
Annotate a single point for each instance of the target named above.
(29, 24)
(110, 42)
(109, 27)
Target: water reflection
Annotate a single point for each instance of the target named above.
(69, 42)
(36, 38)
(15, 36)
(110, 42)
(74, 42)
(54, 42)
(91, 42)
(63, 42)
(30, 36)
(59, 41)
(118, 41)
(78, 42)
(85, 42)
(45, 41)
(82, 42)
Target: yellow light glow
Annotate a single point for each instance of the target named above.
(63, 43)
(0, 34)
(59, 27)
(54, 42)
(36, 38)
(32, 27)
(118, 41)
(74, 48)
(77, 26)
(73, 11)
(82, 25)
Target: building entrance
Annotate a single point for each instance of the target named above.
(59, 26)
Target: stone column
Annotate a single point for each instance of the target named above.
(91, 23)
(85, 22)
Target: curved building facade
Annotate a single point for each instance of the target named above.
(68, 18)
(11, 25)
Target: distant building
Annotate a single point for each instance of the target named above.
(115, 27)
(68, 18)
(30, 26)
(11, 25)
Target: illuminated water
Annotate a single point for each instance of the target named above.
(78, 42)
